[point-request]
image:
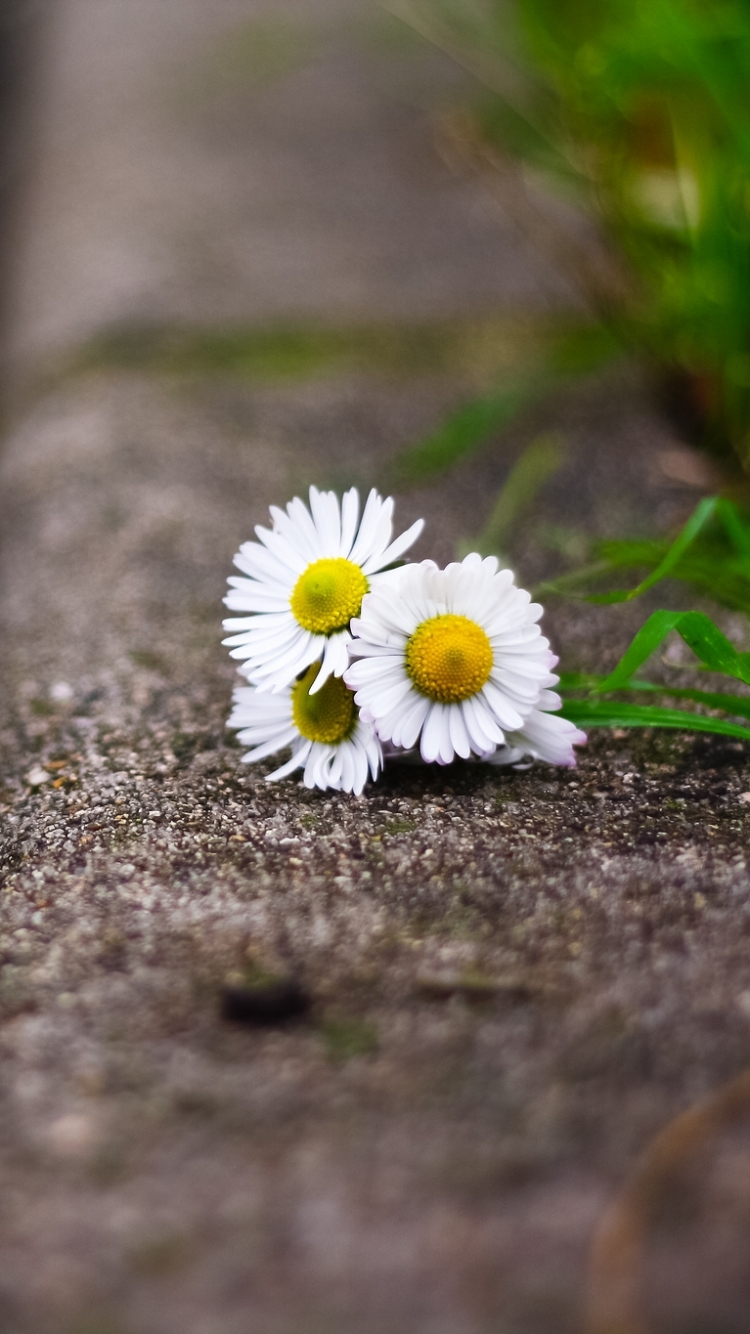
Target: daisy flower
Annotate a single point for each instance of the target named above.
(305, 580)
(328, 737)
(453, 659)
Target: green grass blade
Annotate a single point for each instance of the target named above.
(699, 633)
(708, 566)
(566, 584)
(736, 530)
(704, 511)
(462, 433)
(606, 713)
(579, 681)
(562, 354)
(539, 461)
(736, 705)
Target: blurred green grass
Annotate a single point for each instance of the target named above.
(475, 351)
(640, 111)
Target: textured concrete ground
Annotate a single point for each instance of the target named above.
(517, 979)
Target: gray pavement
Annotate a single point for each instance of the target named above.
(517, 979)
(252, 161)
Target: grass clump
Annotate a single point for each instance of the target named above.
(638, 110)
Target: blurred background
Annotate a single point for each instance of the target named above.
(492, 255)
(20, 34)
(510, 203)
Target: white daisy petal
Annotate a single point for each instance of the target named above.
(248, 595)
(335, 659)
(284, 551)
(549, 701)
(288, 663)
(432, 734)
(389, 613)
(458, 733)
(259, 563)
(301, 522)
(487, 720)
(396, 549)
(361, 772)
(327, 517)
(298, 759)
(348, 767)
(502, 708)
(270, 747)
(482, 741)
(368, 527)
(447, 753)
(373, 757)
(374, 674)
(349, 516)
(265, 634)
(412, 723)
(368, 650)
(317, 772)
(477, 740)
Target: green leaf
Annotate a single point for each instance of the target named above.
(704, 511)
(699, 633)
(739, 705)
(606, 713)
(707, 642)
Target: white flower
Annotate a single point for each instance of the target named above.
(325, 731)
(543, 736)
(306, 578)
(453, 658)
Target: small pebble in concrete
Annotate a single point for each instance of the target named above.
(72, 1134)
(265, 1006)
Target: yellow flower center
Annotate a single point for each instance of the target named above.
(327, 716)
(328, 594)
(449, 658)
